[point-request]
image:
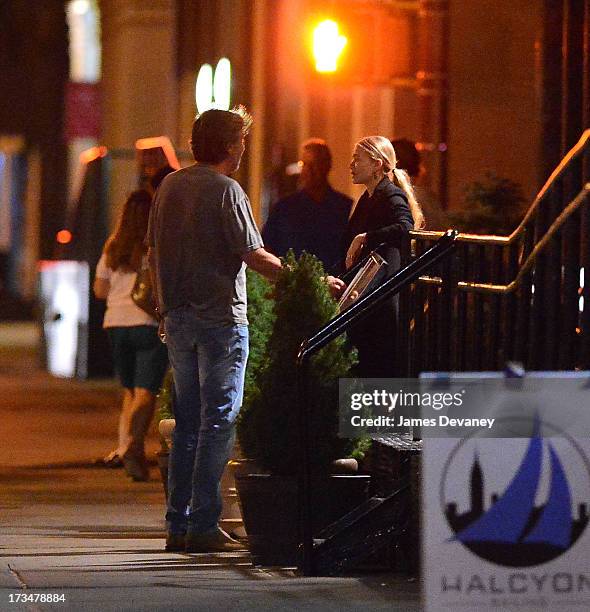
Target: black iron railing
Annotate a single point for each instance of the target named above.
(523, 297)
(337, 326)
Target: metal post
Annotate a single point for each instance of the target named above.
(304, 496)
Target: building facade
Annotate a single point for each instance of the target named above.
(468, 81)
(490, 86)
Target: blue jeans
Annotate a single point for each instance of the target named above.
(208, 365)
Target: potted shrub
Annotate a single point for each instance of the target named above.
(267, 427)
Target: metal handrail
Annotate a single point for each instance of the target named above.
(349, 274)
(339, 324)
(574, 152)
(467, 286)
(334, 328)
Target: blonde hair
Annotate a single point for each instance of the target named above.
(380, 149)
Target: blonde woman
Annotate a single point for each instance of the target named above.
(140, 358)
(385, 213)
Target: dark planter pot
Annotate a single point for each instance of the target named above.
(269, 510)
(163, 457)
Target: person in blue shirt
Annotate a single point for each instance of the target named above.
(314, 218)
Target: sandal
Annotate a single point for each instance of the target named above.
(112, 460)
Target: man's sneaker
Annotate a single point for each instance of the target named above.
(216, 541)
(175, 542)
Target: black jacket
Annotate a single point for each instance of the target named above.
(386, 218)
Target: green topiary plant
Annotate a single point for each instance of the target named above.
(492, 206)
(261, 318)
(267, 428)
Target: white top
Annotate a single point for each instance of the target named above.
(121, 310)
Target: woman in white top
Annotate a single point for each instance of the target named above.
(140, 358)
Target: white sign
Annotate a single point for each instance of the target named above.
(505, 520)
(64, 290)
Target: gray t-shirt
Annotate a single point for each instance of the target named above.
(200, 225)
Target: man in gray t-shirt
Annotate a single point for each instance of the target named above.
(201, 236)
(204, 225)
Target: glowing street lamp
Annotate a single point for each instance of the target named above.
(328, 45)
(222, 84)
(204, 88)
(212, 89)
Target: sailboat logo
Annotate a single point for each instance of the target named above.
(514, 531)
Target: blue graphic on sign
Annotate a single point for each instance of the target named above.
(513, 531)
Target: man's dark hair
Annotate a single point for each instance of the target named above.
(408, 156)
(321, 152)
(214, 131)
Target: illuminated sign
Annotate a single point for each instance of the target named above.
(212, 89)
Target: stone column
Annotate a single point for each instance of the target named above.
(432, 91)
(139, 85)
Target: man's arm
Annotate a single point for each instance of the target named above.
(155, 297)
(268, 265)
(152, 269)
(264, 263)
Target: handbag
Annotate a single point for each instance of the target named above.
(142, 293)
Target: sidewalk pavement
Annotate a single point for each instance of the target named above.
(89, 534)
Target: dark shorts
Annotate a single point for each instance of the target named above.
(139, 357)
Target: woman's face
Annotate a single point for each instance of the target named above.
(362, 166)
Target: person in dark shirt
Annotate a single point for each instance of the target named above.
(385, 213)
(410, 160)
(314, 218)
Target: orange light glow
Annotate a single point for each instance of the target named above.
(328, 45)
(162, 142)
(91, 154)
(64, 236)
